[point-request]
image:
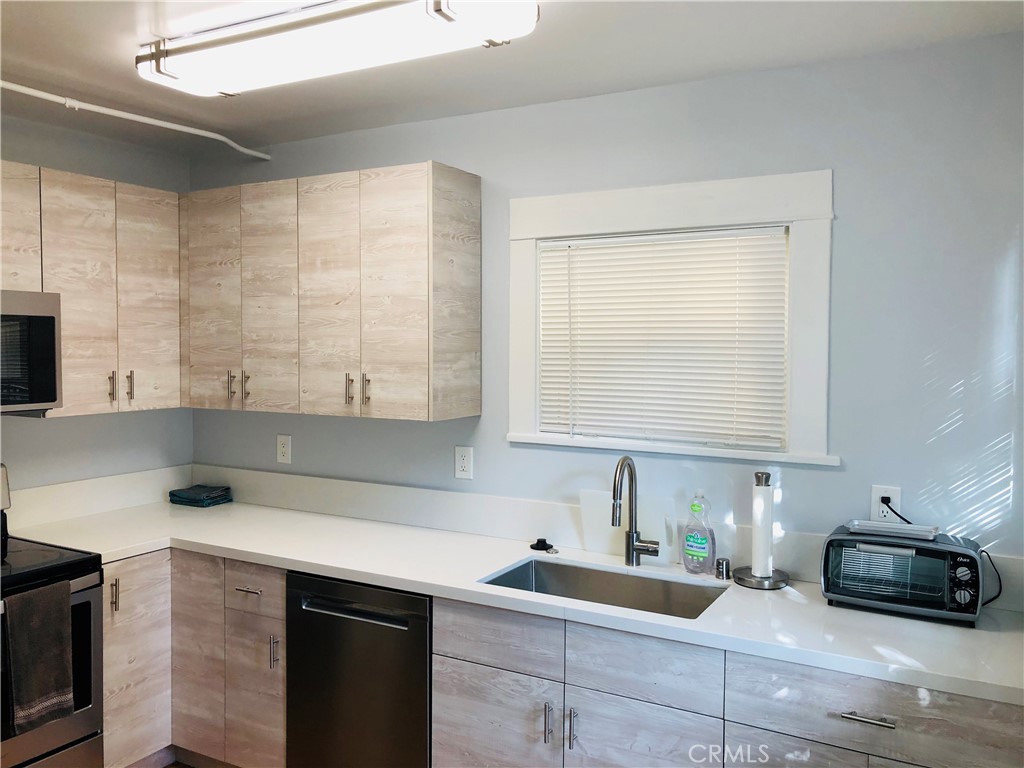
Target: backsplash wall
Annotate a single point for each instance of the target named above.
(925, 326)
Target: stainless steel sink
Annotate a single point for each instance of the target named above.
(626, 590)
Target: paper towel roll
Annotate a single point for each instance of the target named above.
(761, 527)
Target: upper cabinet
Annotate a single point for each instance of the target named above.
(270, 302)
(147, 298)
(346, 294)
(349, 294)
(329, 368)
(215, 297)
(420, 292)
(111, 251)
(79, 241)
(19, 227)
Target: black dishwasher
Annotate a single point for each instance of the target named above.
(358, 675)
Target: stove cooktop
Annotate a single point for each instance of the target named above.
(30, 564)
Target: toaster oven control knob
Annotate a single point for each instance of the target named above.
(963, 596)
(963, 573)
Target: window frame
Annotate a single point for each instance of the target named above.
(801, 201)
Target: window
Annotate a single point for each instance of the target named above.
(684, 319)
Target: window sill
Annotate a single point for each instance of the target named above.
(644, 446)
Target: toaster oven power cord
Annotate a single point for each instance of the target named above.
(999, 579)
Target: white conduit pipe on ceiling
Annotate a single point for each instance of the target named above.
(75, 104)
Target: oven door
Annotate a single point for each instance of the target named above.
(87, 684)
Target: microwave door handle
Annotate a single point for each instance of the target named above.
(879, 549)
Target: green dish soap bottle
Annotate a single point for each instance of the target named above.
(697, 544)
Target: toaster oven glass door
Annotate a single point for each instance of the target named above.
(889, 574)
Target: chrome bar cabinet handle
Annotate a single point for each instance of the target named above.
(274, 658)
(131, 385)
(349, 397)
(115, 594)
(366, 389)
(880, 722)
(548, 709)
(245, 384)
(112, 378)
(572, 726)
(231, 385)
(250, 590)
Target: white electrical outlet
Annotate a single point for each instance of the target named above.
(463, 462)
(878, 510)
(284, 449)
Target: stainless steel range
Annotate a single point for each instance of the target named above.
(71, 734)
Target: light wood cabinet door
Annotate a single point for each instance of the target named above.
(79, 244)
(197, 653)
(20, 251)
(745, 746)
(666, 672)
(929, 727)
(483, 716)
(147, 298)
(137, 658)
(254, 690)
(607, 730)
(270, 310)
(329, 294)
(394, 282)
(215, 298)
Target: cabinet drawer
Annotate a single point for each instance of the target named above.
(521, 642)
(647, 668)
(932, 728)
(254, 588)
(746, 746)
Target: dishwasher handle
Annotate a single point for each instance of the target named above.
(356, 612)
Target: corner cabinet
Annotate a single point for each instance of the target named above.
(19, 227)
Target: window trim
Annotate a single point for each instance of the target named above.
(803, 201)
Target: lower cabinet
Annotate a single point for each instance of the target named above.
(484, 716)
(603, 729)
(487, 716)
(136, 658)
(228, 670)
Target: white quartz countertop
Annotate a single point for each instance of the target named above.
(793, 624)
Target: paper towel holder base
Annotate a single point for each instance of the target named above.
(745, 577)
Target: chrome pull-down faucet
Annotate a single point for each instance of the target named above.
(635, 546)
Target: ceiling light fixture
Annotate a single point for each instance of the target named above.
(329, 39)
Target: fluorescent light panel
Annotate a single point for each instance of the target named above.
(315, 43)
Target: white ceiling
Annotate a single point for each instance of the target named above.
(86, 49)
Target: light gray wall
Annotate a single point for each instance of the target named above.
(926, 148)
(74, 151)
(43, 451)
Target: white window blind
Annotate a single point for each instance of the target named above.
(677, 338)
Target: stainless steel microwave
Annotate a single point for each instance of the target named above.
(938, 578)
(30, 375)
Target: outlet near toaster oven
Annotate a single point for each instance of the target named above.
(878, 510)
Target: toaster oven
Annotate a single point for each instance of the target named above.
(938, 578)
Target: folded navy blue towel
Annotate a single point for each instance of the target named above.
(202, 503)
(201, 495)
